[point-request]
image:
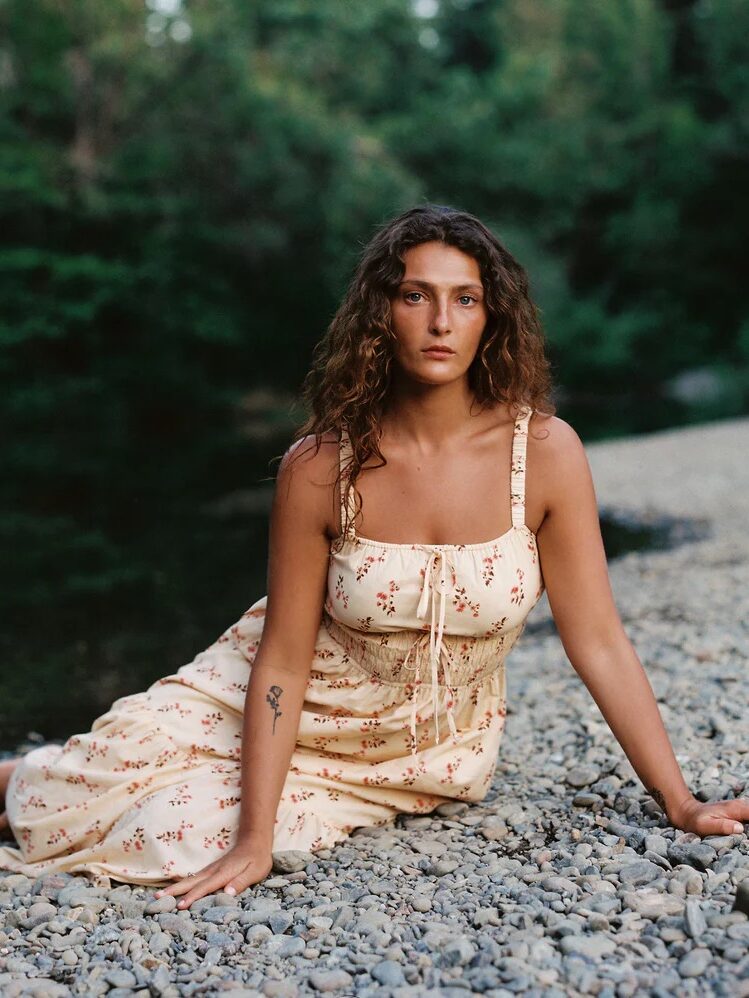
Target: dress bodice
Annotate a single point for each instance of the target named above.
(481, 592)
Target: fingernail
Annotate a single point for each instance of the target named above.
(158, 894)
(738, 828)
(181, 904)
(230, 890)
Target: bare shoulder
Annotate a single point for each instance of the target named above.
(305, 480)
(305, 458)
(557, 456)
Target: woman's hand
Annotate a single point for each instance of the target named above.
(722, 817)
(242, 866)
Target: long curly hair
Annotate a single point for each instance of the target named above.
(347, 385)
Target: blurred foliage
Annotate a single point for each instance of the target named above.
(184, 189)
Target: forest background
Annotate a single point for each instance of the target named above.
(185, 186)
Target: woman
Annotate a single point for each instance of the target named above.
(371, 679)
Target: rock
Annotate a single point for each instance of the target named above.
(639, 873)
(330, 980)
(442, 867)
(694, 920)
(290, 861)
(582, 776)
(388, 973)
(457, 953)
(653, 904)
(695, 963)
(159, 906)
(700, 855)
(280, 921)
(450, 809)
(121, 978)
(429, 847)
(594, 947)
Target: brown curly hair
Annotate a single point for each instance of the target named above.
(347, 385)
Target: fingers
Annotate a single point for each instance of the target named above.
(253, 872)
(212, 878)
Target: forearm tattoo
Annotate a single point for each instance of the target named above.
(272, 698)
(658, 798)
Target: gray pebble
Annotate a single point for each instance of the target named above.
(330, 980)
(694, 963)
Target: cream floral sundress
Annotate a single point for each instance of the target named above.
(405, 709)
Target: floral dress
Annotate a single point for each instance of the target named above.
(405, 709)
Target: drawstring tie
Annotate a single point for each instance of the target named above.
(437, 565)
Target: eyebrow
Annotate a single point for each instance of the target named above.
(426, 284)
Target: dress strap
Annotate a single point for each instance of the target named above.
(517, 474)
(345, 454)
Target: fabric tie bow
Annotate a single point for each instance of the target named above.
(435, 585)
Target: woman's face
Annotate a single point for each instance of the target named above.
(438, 306)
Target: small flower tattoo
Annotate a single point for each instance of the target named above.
(272, 698)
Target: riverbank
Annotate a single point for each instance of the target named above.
(564, 880)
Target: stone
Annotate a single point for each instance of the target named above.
(290, 861)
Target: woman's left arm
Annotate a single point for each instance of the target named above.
(575, 572)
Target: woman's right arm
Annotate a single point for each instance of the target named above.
(304, 506)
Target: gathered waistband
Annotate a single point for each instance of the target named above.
(387, 656)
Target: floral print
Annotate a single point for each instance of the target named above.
(410, 636)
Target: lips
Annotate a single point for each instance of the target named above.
(440, 351)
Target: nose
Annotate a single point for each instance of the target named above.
(440, 317)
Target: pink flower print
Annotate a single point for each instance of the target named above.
(164, 757)
(78, 779)
(517, 594)
(93, 829)
(487, 570)
(486, 721)
(167, 868)
(532, 549)
(496, 627)
(182, 795)
(131, 764)
(340, 592)
(137, 842)
(208, 670)
(96, 749)
(375, 781)
(136, 785)
(461, 602)
(364, 623)
(167, 707)
(224, 802)
(211, 721)
(35, 801)
(176, 834)
(452, 768)
(477, 748)
(57, 836)
(299, 823)
(366, 564)
(329, 774)
(221, 839)
(373, 743)
(385, 601)
(302, 795)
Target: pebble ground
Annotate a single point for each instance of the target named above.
(565, 880)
